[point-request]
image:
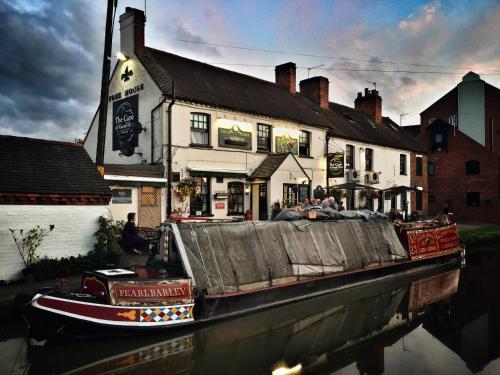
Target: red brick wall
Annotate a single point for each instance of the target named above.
(443, 108)
(450, 182)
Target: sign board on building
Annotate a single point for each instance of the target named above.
(235, 138)
(287, 144)
(220, 205)
(335, 165)
(121, 196)
(126, 126)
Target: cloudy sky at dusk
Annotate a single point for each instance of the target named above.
(51, 51)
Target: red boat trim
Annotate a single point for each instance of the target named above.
(143, 316)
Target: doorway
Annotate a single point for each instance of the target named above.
(259, 202)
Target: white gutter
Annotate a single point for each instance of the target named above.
(134, 178)
(218, 170)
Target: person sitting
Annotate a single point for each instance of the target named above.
(130, 235)
(333, 204)
(276, 210)
(341, 206)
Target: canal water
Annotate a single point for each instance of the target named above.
(444, 321)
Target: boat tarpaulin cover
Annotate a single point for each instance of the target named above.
(227, 257)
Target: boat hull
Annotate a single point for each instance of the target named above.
(53, 315)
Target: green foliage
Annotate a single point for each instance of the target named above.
(185, 188)
(483, 235)
(28, 242)
(106, 251)
(107, 237)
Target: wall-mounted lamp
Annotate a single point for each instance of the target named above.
(121, 56)
(247, 189)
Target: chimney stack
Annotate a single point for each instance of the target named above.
(132, 31)
(316, 89)
(370, 104)
(286, 76)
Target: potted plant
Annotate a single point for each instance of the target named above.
(27, 243)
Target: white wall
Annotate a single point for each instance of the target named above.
(72, 235)
(149, 98)
(119, 211)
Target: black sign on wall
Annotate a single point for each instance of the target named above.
(126, 126)
(335, 165)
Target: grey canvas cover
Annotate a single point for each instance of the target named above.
(226, 257)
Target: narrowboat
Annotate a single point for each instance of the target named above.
(214, 271)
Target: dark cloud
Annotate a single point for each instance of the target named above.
(181, 32)
(408, 81)
(51, 67)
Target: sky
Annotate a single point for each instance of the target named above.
(51, 50)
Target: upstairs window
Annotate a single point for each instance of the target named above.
(472, 167)
(304, 143)
(368, 159)
(235, 200)
(200, 129)
(431, 168)
(418, 168)
(349, 156)
(439, 141)
(473, 199)
(402, 164)
(264, 137)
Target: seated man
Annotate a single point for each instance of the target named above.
(130, 235)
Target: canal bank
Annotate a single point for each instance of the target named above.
(479, 237)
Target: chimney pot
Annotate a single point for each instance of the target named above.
(370, 104)
(286, 76)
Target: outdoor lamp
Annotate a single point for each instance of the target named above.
(247, 189)
(121, 56)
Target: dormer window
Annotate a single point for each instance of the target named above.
(439, 141)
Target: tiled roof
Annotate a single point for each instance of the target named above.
(413, 130)
(268, 166)
(206, 84)
(35, 166)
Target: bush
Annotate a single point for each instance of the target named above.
(106, 251)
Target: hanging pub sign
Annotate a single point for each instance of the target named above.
(335, 165)
(287, 144)
(126, 126)
(235, 138)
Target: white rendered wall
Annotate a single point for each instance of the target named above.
(149, 98)
(72, 234)
(119, 211)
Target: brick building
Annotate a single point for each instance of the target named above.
(463, 144)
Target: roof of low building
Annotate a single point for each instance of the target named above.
(271, 164)
(413, 130)
(206, 84)
(36, 166)
(142, 170)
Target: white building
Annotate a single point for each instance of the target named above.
(226, 126)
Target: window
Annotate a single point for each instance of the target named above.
(369, 159)
(349, 156)
(200, 199)
(235, 200)
(473, 199)
(419, 166)
(264, 137)
(200, 129)
(439, 141)
(402, 164)
(418, 200)
(304, 142)
(438, 138)
(121, 196)
(290, 195)
(431, 168)
(472, 167)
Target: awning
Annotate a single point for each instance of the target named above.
(400, 189)
(352, 186)
(217, 172)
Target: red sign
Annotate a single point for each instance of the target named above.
(422, 243)
(220, 205)
(162, 292)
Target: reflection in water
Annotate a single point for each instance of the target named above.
(367, 330)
